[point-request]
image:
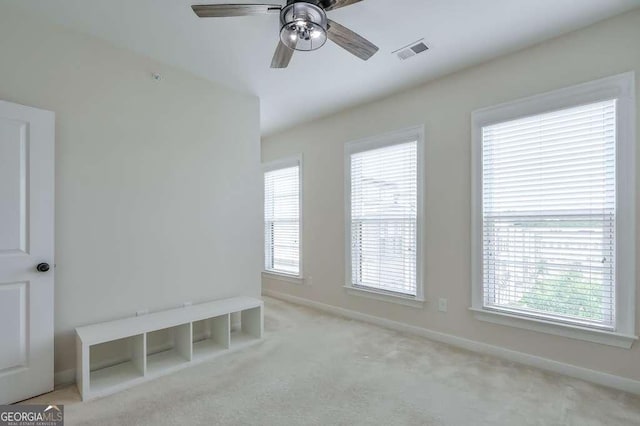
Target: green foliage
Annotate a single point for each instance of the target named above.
(569, 294)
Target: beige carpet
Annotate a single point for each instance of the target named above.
(314, 369)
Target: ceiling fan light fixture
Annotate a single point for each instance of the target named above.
(304, 26)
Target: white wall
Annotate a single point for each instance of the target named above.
(444, 107)
(158, 184)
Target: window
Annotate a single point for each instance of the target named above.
(383, 229)
(552, 209)
(282, 217)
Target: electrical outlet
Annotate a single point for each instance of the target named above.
(142, 312)
(442, 305)
(309, 280)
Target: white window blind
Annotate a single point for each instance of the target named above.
(384, 215)
(282, 220)
(549, 215)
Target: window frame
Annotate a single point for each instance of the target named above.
(622, 88)
(285, 163)
(415, 133)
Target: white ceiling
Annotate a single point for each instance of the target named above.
(237, 51)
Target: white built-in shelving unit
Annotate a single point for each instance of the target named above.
(115, 355)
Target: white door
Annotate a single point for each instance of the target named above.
(26, 240)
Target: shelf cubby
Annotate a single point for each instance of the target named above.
(168, 348)
(116, 362)
(249, 328)
(210, 336)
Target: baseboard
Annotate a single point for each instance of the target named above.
(63, 378)
(597, 377)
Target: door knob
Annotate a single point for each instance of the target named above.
(42, 267)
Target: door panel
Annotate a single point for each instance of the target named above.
(26, 239)
(13, 186)
(13, 305)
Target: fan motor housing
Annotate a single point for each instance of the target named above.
(321, 3)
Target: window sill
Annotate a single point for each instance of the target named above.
(293, 279)
(413, 302)
(602, 337)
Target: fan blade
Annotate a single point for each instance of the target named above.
(282, 57)
(337, 4)
(350, 41)
(225, 10)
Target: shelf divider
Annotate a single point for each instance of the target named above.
(139, 353)
(184, 344)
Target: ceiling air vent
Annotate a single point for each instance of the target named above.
(411, 50)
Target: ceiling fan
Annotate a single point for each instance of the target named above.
(304, 26)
